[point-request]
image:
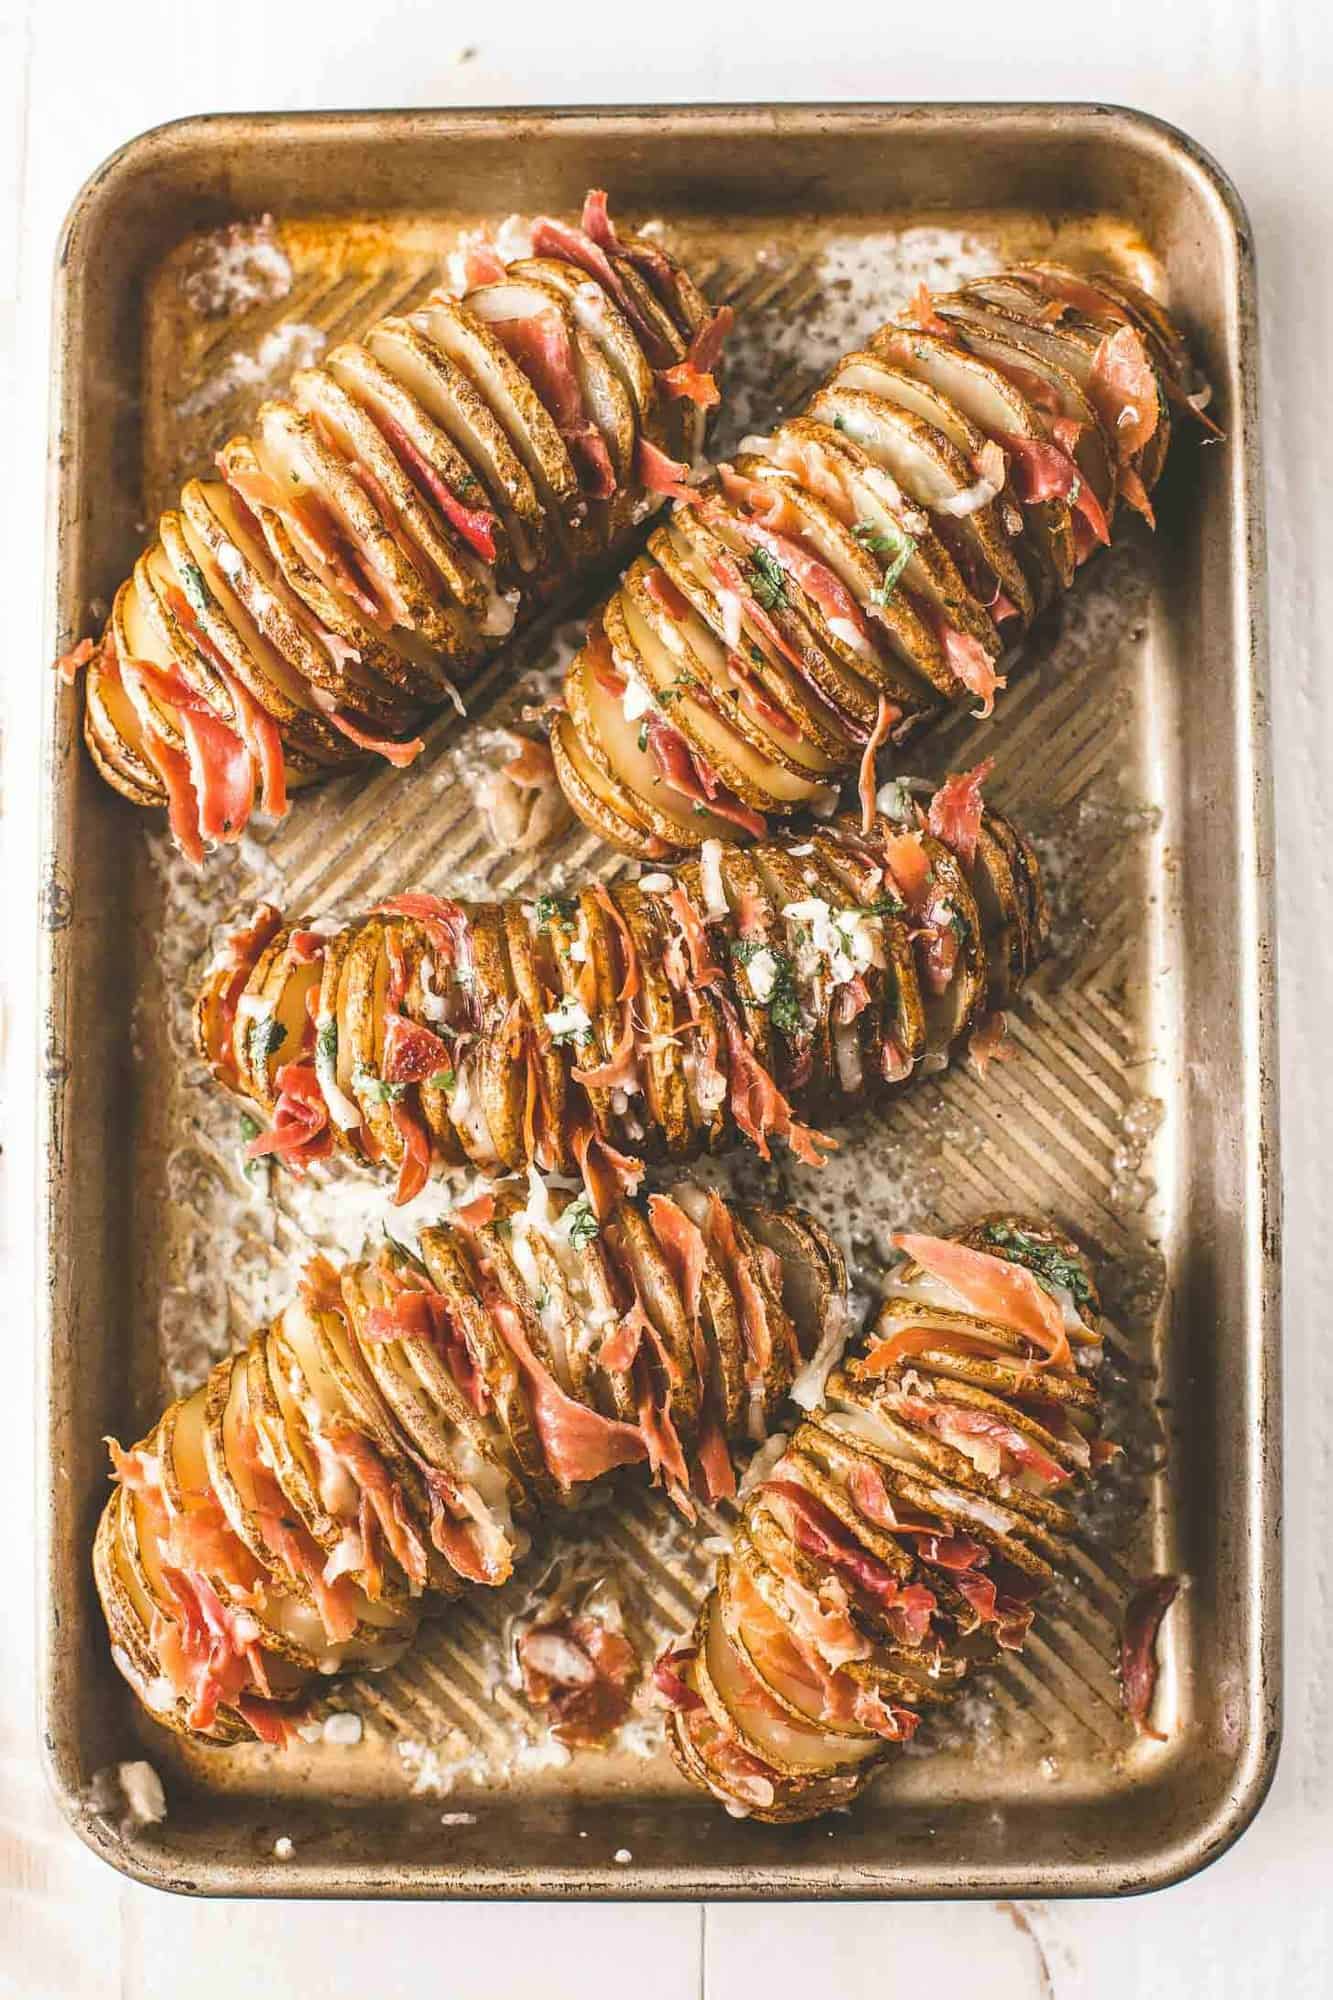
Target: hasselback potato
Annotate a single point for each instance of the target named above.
(871, 559)
(390, 520)
(906, 1532)
(391, 1436)
(749, 992)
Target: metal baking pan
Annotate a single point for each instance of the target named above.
(1140, 1108)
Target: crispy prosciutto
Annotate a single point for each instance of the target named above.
(473, 525)
(581, 1672)
(955, 811)
(887, 715)
(1148, 1605)
(400, 755)
(1045, 471)
(300, 1132)
(998, 1289)
(659, 473)
(552, 238)
(541, 346)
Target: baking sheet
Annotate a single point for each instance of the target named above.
(1137, 1106)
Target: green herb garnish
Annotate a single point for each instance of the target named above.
(196, 593)
(254, 1170)
(443, 1079)
(959, 924)
(1046, 1261)
(887, 905)
(547, 907)
(643, 736)
(374, 1087)
(675, 690)
(784, 1002)
(768, 580)
(895, 550)
(267, 1036)
(581, 1224)
(467, 482)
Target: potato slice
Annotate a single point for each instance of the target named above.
(426, 550)
(378, 657)
(536, 442)
(600, 318)
(115, 736)
(727, 574)
(292, 449)
(897, 634)
(595, 395)
(423, 449)
(460, 410)
(814, 736)
(930, 571)
(610, 742)
(1059, 363)
(450, 1258)
(681, 652)
(754, 779)
(316, 670)
(601, 805)
(736, 1697)
(985, 396)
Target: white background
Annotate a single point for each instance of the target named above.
(1254, 82)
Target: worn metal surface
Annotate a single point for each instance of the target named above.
(1139, 1107)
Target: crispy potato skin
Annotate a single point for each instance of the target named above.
(409, 503)
(946, 483)
(389, 1438)
(645, 1018)
(898, 1545)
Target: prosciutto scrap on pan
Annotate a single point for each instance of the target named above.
(906, 1535)
(350, 565)
(755, 993)
(387, 1442)
(872, 560)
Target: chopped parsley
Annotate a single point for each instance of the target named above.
(768, 580)
(326, 1042)
(581, 1224)
(1047, 1261)
(364, 1079)
(542, 1300)
(266, 1037)
(547, 907)
(254, 1170)
(196, 593)
(890, 904)
(675, 690)
(840, 422)
(467, 482)
(958, 924)
(443, 1079)
(895, 550)
(783, 1003)
(643, 736)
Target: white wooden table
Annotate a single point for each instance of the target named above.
(1255, 83)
